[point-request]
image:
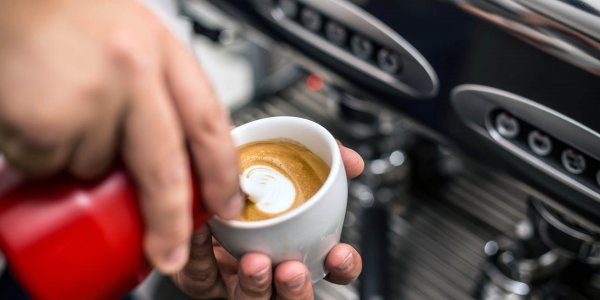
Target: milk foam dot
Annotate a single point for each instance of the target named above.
(271, 191)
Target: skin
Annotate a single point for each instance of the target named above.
(212, 272)
(85, 82)
(82, 82)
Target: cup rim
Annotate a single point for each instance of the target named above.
(336, 164)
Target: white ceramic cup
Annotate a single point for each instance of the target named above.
(308, 232)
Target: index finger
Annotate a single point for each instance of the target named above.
(154, 153)
(206, 126)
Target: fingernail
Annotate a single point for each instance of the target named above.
(346, 264)
(296, 283)
(261, 276)
(176, 258)
(199, 238)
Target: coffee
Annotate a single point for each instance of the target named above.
(278, 176)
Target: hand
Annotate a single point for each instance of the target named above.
(84, 81)
(212, 272)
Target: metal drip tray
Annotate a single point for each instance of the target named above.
(435, 236)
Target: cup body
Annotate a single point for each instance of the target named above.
(308, 232)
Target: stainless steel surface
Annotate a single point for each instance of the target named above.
(437, 234)
(582, 15)
(418, 79)
(444, 210)
(568, 29)
(571, 241)
(475, 105)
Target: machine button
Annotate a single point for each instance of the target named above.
(336, 33)
(573, 161)
(289, 8)
(507, 126)
(361, 47)
(539, 143)
(311, 19)
(388, 61)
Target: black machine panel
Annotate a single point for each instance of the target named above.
(411, 55)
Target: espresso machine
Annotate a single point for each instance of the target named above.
(479, 123)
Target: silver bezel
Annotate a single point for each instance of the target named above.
(475, 104)
(418, 78)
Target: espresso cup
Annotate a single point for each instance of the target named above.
(306, 233)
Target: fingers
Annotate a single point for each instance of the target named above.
(9, 177)
(200, 276)
(255, 276)
(343, 263)
(32, 160)
(206, 127)
(96, 150)
(30, 156)
(353, 163)
(292, 281)
(155, 155)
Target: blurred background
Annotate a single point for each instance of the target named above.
(477, 119)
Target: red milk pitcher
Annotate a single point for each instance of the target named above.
(68, 239)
